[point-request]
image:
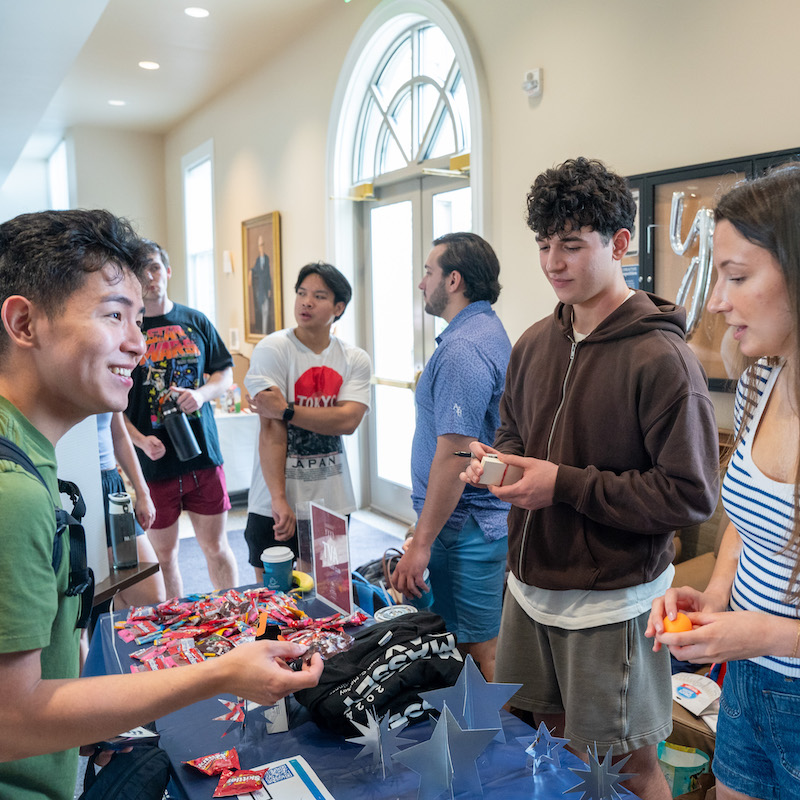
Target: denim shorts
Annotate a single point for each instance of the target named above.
(758, 733)
(467, 574)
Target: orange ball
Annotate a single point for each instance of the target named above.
(680, 624)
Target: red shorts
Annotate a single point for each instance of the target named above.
(202, 491)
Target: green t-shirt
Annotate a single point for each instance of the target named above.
(35, 614)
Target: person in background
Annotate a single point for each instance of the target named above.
(460, 536)
(71, 309)
(606, 410)
(310, 388)
(185, 361)
(749, 613)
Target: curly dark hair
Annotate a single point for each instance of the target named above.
(46, 256)
(475, 259)
(579, 193)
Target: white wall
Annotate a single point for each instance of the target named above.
(25, 189)
(269, 137)
(122, 171)
(641, 85)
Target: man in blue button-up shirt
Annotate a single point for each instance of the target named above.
(461, 531)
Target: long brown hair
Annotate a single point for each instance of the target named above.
(766, 211)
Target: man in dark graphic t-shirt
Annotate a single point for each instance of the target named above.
(182, 348)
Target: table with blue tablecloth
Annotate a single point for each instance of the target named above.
(504, 768)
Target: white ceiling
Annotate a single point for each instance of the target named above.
(61, 61)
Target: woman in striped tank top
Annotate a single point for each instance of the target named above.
(748, 614)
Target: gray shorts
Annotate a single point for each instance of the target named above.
(607, 681)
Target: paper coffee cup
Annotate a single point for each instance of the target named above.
(277, 563)
(426, 599)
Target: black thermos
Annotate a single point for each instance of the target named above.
(180, 433)
(122, 531)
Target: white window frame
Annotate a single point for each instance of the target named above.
(202, 153)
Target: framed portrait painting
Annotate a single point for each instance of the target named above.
(261, 268)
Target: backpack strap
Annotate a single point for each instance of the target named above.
(81, 577)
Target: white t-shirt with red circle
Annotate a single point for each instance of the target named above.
(316, 465)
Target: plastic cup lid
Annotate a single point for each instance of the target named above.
(275, 555)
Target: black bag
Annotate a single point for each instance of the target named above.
(81, 577)
(142, 774)
(384, 671)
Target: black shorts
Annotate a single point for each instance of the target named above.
(259, 533)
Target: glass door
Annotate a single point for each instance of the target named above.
(400, 227)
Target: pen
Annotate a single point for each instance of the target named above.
(463, 453)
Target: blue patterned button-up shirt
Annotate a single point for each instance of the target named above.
(459, 393)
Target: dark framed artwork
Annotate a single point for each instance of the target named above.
(261, 267)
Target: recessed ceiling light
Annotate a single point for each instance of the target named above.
(116, 102)
(149, 65)
(198, 13)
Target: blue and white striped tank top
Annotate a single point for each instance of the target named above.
(762, 511)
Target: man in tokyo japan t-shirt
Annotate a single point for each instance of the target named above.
(310, 388)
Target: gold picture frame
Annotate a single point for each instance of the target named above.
(261, 268)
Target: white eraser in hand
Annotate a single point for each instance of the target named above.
(496, 473)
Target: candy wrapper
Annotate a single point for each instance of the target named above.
(226, 761)
(240, 782)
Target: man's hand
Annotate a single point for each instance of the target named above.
(259, 671)
(145, 511)
(533, 490)
(407, 576)
(472, 474)
(285, 522)
(536, 487)
(268, 403)
(188, 400)
(152, 447)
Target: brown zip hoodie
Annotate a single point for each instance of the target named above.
(627, 417)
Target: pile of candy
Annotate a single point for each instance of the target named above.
(176, 633)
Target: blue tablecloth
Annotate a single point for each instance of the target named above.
(504, 768)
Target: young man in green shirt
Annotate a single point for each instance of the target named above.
(71, 308)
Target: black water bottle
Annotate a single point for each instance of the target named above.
(180, 433)
(122, 531)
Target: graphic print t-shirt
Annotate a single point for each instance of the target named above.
(316, 466)
(181, 346)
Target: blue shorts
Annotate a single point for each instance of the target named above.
(758, 746)
(467, 575)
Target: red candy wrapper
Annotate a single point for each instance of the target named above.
(240, 782)
(226, 761)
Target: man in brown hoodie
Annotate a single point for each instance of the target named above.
(607, 411)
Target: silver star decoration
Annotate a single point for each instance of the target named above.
(379, 740)
(473, 702)
(545, 748)
(447, 759)
(602, 778)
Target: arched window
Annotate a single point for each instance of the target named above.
(406, 137)
(415, 108)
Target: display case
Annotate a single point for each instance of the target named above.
(672, 248)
